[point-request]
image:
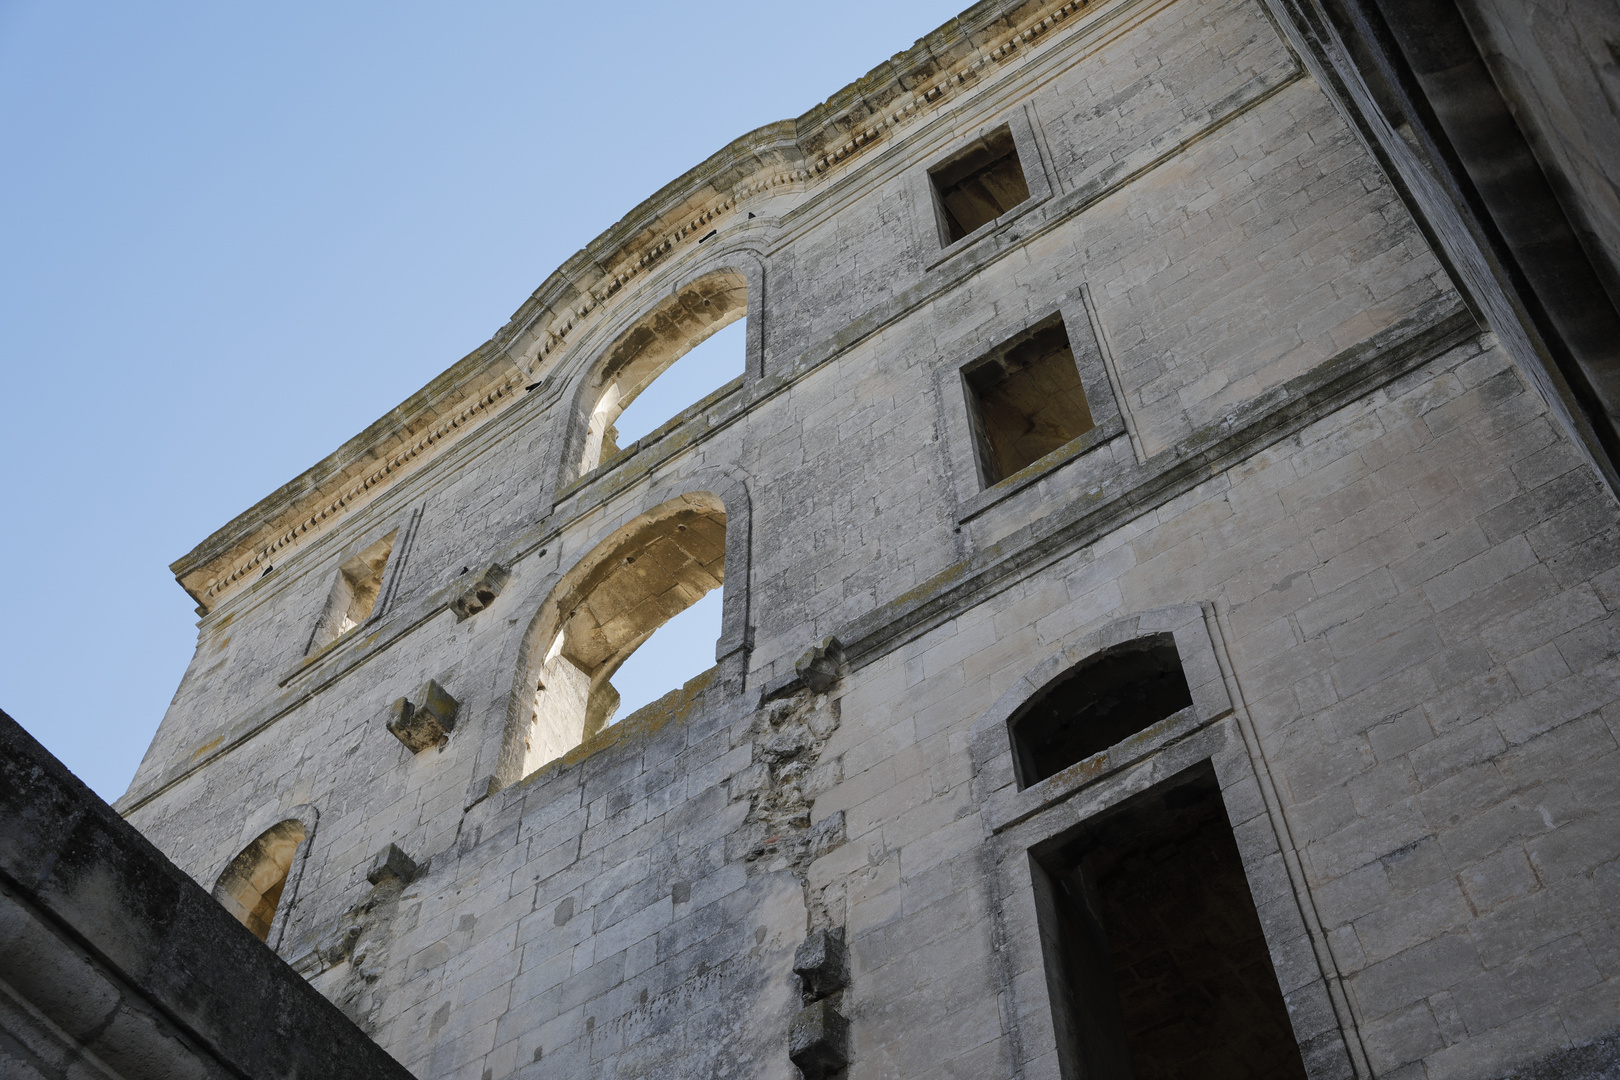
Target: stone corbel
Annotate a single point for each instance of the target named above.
(818, 1036)
(481, 593)
(425, 722)
(821, 666)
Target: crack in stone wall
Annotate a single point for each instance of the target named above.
(790, 735)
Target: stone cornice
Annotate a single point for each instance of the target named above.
(792, 154)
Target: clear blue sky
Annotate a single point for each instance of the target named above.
(234, 234)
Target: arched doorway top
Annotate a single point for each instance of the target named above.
(992, 744)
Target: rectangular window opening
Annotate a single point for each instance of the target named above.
(354, 594)
(1026, 400)
(1155, 957)
(979, 183)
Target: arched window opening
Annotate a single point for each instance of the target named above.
(250, 887)
(676, 651)
(632, 584)
(673, 331)
(1098, 703)
(708, 367)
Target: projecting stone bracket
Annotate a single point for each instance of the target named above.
(426, 722)
(818, 1037)
(392, 864)
(821, 666)
(481, 593)
(821, 962)
(818, 1040)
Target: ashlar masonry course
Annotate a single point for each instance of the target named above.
(1166, 631)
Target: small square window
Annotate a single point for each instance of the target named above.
(1026, 400)
(979, 184)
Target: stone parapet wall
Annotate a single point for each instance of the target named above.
(114, 964)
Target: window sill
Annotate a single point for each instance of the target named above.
(990, 228)
(317, 657)
(1038, 469)
(1014, 807)
(648, 446)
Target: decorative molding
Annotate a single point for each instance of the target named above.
(957, 79)
(927, 100)
(626, 264)
(341, 503)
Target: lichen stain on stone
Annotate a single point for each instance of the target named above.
(1086, 769)
(207, 746)
(930, 587)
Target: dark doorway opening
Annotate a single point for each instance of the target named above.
(1099, 702)
(1155, 957)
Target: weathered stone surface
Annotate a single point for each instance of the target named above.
(114, 963)
(481, 592)
(821, 962)
(392, 864)
(425, 722)
(819, 667)
(818, 1040)
(1391, 576)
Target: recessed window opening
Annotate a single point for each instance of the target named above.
(979, 184)
(250, 887)
(1026, 400)
(638, 581)
(1100, 702)
(1157, 964)
(693, 377)
(354, 594)
(677, 651)
(636, 389)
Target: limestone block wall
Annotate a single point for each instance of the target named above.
(1546, 58)
(1393, 578)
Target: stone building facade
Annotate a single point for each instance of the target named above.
(1168, 617)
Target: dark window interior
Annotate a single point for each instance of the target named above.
(1106, 699)
(1155, 956)
(1027, 400)
(979, 184)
